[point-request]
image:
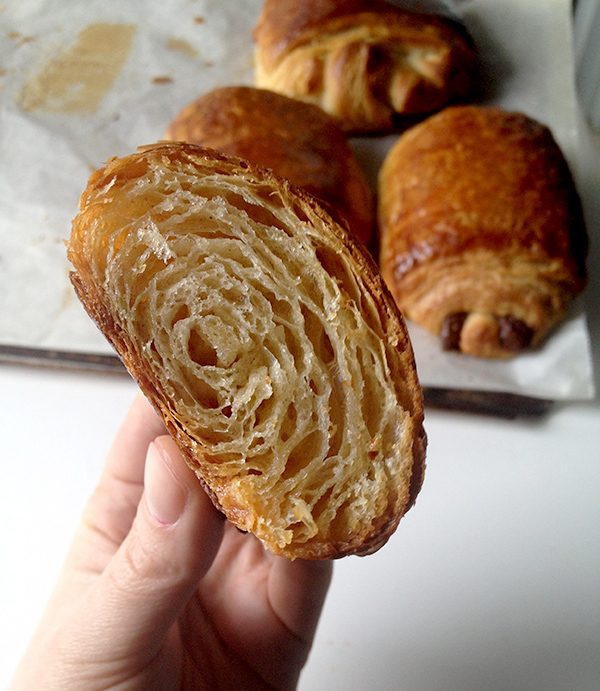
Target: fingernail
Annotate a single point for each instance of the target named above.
(165, 496)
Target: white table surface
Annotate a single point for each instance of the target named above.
(492, 580)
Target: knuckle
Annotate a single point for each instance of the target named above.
(143, 567)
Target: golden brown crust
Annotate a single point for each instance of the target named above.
(482, 233)
(297, 140)
(265, 338)
(363, 62)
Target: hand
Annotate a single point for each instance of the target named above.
(159, 592)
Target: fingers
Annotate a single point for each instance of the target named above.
(112, 507)
(296, 591)
(114, 503)
(172, 542)
(125, 461)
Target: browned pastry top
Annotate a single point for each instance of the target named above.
(474, 177)
(363, 61)
(283, 24)
(297, 140)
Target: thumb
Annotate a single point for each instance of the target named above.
(172, 542)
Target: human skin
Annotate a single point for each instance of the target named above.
(159, 592)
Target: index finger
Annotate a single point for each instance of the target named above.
(114, 503)
(126, 458)
(110, 511)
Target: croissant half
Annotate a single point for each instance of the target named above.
(483, 240)
(363, 61)
(297, 140)
(266, 340)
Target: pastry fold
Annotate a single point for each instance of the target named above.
(297, 140)
(265, 338)
(363, 61)
(483, 240)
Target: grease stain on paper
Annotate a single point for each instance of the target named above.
(77, 79)
(20, 39)
(162, 79)
(180, 45)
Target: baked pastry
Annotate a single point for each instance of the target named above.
(265, 338)
(483, 240)
(363, 61)
(298, 141)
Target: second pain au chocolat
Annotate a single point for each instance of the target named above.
(297, 140)
(483, 240)
(264, 337)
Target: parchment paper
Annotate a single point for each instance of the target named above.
(81, 82)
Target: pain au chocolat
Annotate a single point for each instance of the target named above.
(483, 240)
(297, 140)
(265, 338)
(363, 61)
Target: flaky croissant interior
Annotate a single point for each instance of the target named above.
(265, 339)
